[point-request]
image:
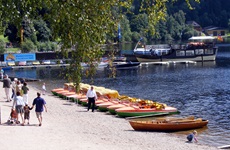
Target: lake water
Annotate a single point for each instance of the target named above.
(201, 89)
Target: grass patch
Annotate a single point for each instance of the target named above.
(9, 50)
(12, 50)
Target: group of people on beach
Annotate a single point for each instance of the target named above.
(20, 100)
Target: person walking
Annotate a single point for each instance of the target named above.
(13, 86)
(44, 88)
(19, 87)
(27, 113)
(2, 73)
(6, 86)
(19, 106)
(25, 90)
(92, 97)
(40, 104)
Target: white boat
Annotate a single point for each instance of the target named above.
(200, 48)
(103, 63)
(126, 65)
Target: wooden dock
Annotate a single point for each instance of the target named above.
(183, 62)
(166, 63)
(153, 63)
(36, 66)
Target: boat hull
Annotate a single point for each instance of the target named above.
(133, 114)
(103, 106)
(167, 127)
(197, 58)
(127, 65)
(148, 57)
(197, 49)
(112, 109)
(135, 111)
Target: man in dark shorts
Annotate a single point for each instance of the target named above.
(40, 104)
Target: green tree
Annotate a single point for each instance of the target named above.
(28, 28)
(125, 30)
(161, 31)
(189, 32)
(11, 33)
(1, 28)
(42, 31)
(135, 36)
(139, 22)
(27, 46)
(2, 47)
(80, 24)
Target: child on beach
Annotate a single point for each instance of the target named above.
(192, 136)
(43, 88)
(27, 113)
(25, 90)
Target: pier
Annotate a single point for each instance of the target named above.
(35, 66)
(166, 63)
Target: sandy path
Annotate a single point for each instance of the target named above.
(67, 126)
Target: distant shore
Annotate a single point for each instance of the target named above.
(69, 126)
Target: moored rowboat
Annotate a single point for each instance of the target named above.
(103, 106)
(136, 111)
(168, 126)
(112, 108)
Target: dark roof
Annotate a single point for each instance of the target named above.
(193, 23)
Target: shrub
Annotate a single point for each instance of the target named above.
(135, 36)
(46, 46)
(28, 46)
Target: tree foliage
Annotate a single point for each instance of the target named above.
(125, 29)
(46, 46)
(43, 32)
(11, 32)
(81, 24)
(27, 46)
(2, 46)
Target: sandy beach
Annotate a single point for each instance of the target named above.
(68, 126)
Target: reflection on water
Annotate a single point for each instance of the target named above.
(200, 89)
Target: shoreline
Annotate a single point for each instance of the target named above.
(69, 126)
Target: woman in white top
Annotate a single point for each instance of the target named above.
(19, 106)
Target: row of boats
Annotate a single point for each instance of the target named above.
(128, 107)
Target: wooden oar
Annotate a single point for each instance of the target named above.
(181, 121)
(174, 118)
(186, 120)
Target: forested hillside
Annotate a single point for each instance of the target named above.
(205, 13)
(208, 12)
